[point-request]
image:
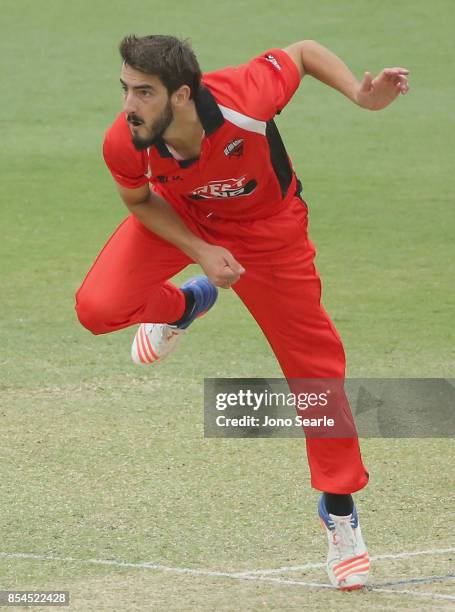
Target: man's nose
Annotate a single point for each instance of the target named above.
(129, 104)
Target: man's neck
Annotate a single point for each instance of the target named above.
(185, 133)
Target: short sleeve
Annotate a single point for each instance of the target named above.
(260, 88)
(127, 165)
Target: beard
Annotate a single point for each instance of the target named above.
(153, 130)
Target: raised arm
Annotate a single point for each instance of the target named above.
(315, 60)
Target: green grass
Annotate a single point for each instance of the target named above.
(102, 460)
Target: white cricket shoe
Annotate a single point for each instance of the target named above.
(154, 341)
(348, 562)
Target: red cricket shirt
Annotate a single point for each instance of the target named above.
(243, 171)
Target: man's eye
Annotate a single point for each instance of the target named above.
(144, 92)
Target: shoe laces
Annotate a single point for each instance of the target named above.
(169, 331)
(344, 537)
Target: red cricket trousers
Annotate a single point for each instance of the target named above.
(128, 284)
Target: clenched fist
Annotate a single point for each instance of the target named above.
(222, 269)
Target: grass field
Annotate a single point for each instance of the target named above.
(107, 486)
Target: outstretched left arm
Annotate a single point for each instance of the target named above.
(374, 94)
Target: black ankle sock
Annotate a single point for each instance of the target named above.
(339, 505)
(189, 304)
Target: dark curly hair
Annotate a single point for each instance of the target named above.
(167, 57)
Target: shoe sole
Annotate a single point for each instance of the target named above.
(353, 587)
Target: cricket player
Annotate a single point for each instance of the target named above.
(200, 164)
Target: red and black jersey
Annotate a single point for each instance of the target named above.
(243, 171)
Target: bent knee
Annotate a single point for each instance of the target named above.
(92, 313)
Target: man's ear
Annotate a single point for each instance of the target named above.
(181, 95)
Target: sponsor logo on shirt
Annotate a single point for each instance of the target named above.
(165, 179)
(234, 148)
(272, 59)
(227, 188)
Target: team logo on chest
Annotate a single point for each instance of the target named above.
(234, 148)
(227, 188)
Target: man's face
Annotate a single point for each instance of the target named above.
(147, 106)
